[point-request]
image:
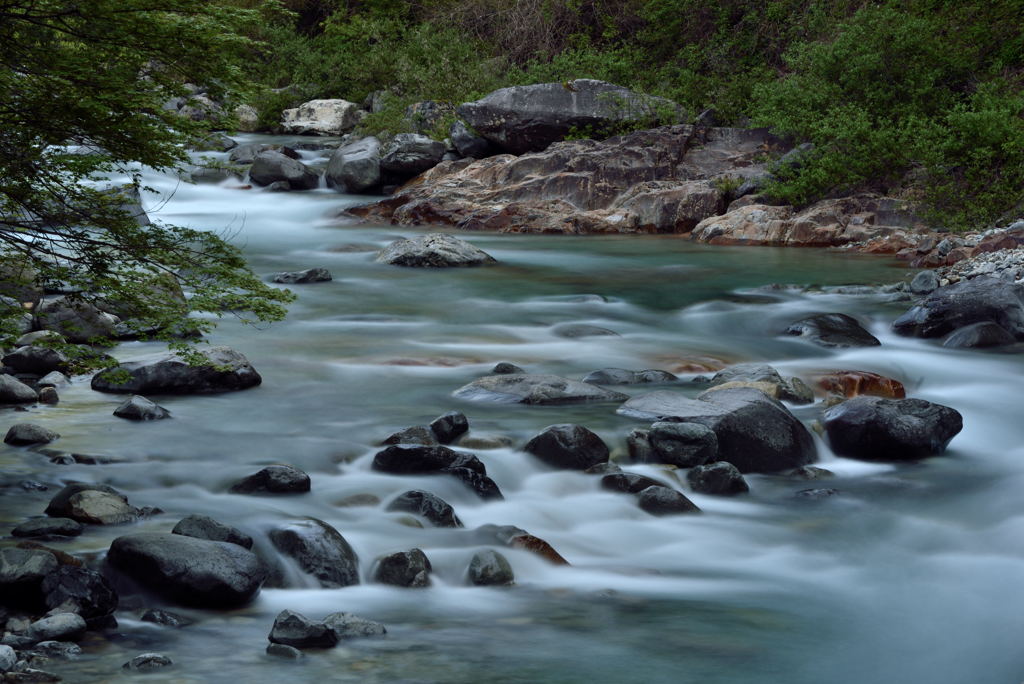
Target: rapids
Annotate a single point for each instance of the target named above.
(912, 573)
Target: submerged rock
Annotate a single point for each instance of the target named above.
(488, 568)
(876, 429)
(275, 479)
(833, 330)
(226, 370)
(628, 483)
(146, 662)
(855, 383)
(755, 432)
(979, 336)
(434, 250)
(526, 388)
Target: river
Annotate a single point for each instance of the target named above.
(911, 573)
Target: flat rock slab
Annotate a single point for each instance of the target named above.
(196, 572)
(524, 388)
(435, 250)
(755, 432)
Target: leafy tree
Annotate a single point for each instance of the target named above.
(96, 74)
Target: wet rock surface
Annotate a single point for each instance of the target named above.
(435, 250)
(526, 388)
(568, 446)
(755, 432)
(227, 371)
(876, 429)
(275, 479)
(319, 550)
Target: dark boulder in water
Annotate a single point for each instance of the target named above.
(658, 500)
(717, 478)
(226, 370)
(426, 505)
(404, 569)
(982, 299)
(876, 429)
(568, 446)
(319, 550)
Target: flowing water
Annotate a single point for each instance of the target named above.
(911, 573)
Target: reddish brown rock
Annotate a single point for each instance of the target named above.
(528, 542)
(851, 383)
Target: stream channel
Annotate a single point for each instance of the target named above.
(910, 573)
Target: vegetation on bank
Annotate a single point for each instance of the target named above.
(83, 88)
(918, 98)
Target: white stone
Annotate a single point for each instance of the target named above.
(321, 117)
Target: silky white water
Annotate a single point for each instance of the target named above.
(911, 573)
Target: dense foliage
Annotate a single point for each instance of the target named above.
(920, 98)
(82, 89)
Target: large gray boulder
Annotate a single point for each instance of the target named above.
(227, 371)
(434, 250)
(410, 154)
(527, 388)
(319, 550)
(22, 434)
(36, 360)
(355, 167)
(755, 432)
(197, 572)
(14, 391)
(270, 167)
(877, 429)
(523, 119)
(982, 299)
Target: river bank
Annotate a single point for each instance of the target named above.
(748, 587)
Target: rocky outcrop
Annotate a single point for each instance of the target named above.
(525, 388)
(197, 572)
(827, 223)
(321, 117)
(755, 432)
(434, 250)
(529, 118)
(226, 371)
(663, 180)
(876, 429)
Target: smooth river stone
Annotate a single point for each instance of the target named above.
(527, 388)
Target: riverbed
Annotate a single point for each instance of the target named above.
(909, 573)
